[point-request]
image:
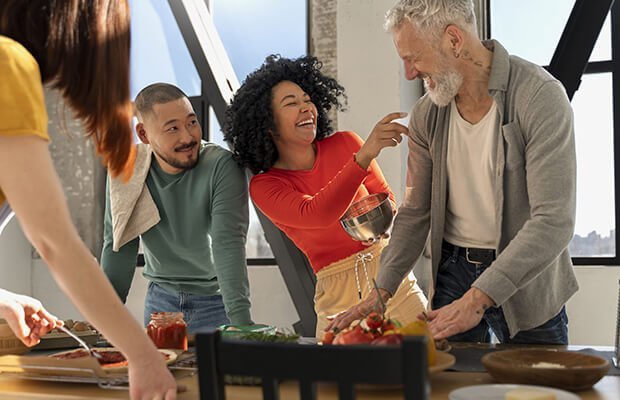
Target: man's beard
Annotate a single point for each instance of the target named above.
(447, 84)
(184, 165)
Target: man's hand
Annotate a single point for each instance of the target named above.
(459, 316)
(369, 304)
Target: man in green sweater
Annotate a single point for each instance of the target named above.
(187, 201)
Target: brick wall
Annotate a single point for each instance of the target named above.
(323, 39)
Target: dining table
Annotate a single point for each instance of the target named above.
(441, 384)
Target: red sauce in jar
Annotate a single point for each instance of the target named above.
(168, 330)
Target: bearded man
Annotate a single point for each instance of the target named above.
(491, 176)
(187, 201)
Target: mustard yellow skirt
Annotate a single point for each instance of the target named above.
(340, 285)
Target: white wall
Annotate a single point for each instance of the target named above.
(593, 310)
(369, 70)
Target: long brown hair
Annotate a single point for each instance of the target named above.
(82, 48)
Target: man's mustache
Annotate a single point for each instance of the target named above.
(186, 146)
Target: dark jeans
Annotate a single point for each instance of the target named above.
(454, 278)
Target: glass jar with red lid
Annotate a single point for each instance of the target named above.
(168, 330)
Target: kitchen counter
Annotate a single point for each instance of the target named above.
(442, 384)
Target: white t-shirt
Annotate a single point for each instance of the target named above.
(472, 149)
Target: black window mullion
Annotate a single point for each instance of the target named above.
(597, 67)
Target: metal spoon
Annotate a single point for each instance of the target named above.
(81, 342)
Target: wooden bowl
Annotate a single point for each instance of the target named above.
(562, 369)
(9, 343)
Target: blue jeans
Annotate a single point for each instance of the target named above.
(199, 312)
(454, 278)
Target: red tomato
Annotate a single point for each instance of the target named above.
(374, 321)
(355, 335)
(328, 337)
(388, 339)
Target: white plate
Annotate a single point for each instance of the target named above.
(498, 392)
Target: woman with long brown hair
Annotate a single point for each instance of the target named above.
(80, 47)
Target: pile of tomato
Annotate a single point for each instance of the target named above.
(373, 329)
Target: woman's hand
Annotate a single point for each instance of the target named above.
(385, 133)
(26, 317)
(370, 242)
(149, 378)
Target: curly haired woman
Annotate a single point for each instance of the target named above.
(307, 177)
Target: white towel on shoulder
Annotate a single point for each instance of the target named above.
(133, 209)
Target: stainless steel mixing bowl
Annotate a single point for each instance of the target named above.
(368, 218)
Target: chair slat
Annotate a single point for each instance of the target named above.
(307, 390)
(271, 389)
(346, 391)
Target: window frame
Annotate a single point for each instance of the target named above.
(597, 67)
(610, 66)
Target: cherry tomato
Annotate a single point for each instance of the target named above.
(374, 321)
(328, 337)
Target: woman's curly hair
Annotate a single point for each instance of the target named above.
(249, 118)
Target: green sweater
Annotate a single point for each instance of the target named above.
(198, 246)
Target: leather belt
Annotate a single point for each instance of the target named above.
(471, 254)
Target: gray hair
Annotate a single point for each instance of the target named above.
(156, 93)
(432, 16)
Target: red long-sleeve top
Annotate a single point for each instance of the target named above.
(307, 205)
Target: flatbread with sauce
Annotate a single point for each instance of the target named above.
(112, 360)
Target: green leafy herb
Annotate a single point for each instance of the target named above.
(278, 336)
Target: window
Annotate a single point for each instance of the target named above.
(160, 54)
(532, 31)
(158, 51)
(250, 36)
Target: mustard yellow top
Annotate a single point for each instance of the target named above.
(22, 107)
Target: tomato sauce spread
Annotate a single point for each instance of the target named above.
(109, 358)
